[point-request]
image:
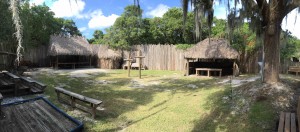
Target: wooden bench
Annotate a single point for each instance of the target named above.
(8, 83)
(287, 120)
(73, 64)
(208, 71)
(295, 69)
(35, 86)
(74, 98)
(136, 66)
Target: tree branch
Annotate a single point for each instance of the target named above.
(263, 6)
(290, 6)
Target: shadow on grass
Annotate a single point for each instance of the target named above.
(184, 85)
(222, 116)
(118, 99)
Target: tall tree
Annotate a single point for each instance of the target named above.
(38, 24)
(127, 29)
(266, 15)
(70, 28)
(98, 34)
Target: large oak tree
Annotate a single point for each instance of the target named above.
(266, 15)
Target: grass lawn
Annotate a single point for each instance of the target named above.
(162, 101)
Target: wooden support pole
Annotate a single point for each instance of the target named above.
(56, 64)
(128, 64)
(90, 61)
(187, 67)
(139, 57)
(128, 67)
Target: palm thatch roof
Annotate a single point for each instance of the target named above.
(216, 49)
(103, 51)
(63, 45)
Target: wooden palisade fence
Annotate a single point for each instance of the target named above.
(157, 57)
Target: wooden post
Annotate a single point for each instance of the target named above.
(128, 64)
(90, 61)
(73, 102)
(93, 110)
(187, 67)
(56, 65)
(140, 64)
(16, 81)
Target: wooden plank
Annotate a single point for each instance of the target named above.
(78, 96)
(11, 75)
(298, 112)
(287, 123)
(27, 79)
(293, 122)
(34, 116)
(39, 83)
(281, 122)
(2, 82)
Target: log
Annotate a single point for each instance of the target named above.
(78, 96)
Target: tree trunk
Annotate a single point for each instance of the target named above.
(272, 53)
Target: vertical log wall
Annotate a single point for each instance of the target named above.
(157, 57)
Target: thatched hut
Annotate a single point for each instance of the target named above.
(216, 54)
(107, 58)
(69, 52)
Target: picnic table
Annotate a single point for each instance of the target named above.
(208, 71)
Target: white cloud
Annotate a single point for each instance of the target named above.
(82, 29)
(290, 24)
(98, 20)
(66, 8)
(159, 11)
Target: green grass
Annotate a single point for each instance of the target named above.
(164, 103)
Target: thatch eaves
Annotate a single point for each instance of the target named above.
(216, 49)
(103, 51)
(74, 45)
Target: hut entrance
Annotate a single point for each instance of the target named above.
(211, 55)
(226, 66)
(70, 52)
(71, 61)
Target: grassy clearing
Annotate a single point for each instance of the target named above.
(161, 101)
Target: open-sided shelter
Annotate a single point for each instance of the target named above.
(69, 52)
(213, 53)
(107, 58)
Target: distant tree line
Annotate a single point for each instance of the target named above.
(132, 29)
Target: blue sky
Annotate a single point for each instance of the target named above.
(91, 15)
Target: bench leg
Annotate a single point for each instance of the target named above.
(93, 110)
(58, 95)
(17, 81)
(72, 102)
